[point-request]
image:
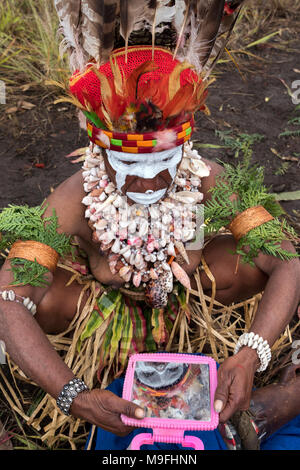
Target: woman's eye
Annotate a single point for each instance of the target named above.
(148, 374)
(128, 163)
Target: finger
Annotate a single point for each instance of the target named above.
(235, 401)
(125, 407)
(228, 411)
(131, 410)
(221, 396)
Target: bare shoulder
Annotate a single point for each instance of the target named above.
(66, 200)
(210, 181)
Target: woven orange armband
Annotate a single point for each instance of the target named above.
(35, 251)
(248, 220)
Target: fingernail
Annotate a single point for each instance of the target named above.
(218, 406)
(139, 413)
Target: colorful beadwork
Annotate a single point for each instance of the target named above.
(137, 143)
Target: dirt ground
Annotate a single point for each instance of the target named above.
(34, 142)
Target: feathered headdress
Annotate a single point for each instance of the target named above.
(141, 66)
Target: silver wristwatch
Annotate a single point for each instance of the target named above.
(68, 393)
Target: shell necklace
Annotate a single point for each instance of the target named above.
(142, 242)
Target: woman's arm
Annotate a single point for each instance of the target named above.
(275, 311)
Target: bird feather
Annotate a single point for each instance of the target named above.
(69, 14)
(98, 27)
(132, 12)
(209, 17)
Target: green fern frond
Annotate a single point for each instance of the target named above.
(29, 223)
(245, 183)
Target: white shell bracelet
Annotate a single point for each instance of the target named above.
(11, 296)
(261, 346)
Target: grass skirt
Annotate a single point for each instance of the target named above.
(114, 324)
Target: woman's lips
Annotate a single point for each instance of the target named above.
(146, 199)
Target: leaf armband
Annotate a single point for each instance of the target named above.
(241, 203)
(34, 243)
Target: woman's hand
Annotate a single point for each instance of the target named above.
(103, 408)
(235, 382)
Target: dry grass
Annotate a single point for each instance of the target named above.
(207, 326)
(29, 45)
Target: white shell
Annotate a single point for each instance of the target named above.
(33, 309)
(125, 249)
(127, 255)
(116, 246)
(118, 201)
(4, 295)
(109, 188)
(188, 197)
(166, 219)
(144, 227)
(153, 274)
(124, 271)
(199, 168)
(171, 249)
(138, 257)
(102, 197)
(132, 227)
(107, 237)
(101, 224)
(160, 256)
(26, 302)
(137, 277)
(11, 295)
(154, 212)
(87, 200)
(166, 266)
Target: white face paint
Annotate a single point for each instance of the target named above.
(144, 165)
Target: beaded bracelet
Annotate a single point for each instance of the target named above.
(261, 346)
(10, 295)
(68, 393)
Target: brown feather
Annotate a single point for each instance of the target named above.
(98, 27)
(222, 48)
(69, 14)
(209, 16)
(131, 13)
(180, 36)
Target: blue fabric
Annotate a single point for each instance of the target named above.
(286, 438)
(105, 440)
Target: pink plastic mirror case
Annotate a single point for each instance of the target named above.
(177, 390)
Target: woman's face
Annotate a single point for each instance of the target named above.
(144, 178)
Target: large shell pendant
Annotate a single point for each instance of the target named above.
(155, 294)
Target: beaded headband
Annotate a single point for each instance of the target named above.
(140, 143)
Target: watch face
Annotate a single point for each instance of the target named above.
(172, 390)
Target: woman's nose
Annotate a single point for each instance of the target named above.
(152, 184)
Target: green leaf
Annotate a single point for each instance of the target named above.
(264, 39)
(94, 118)
(117, 329)
(93, 324)
(288, 196)
(208, 146)
(107, 303)
(125, 344)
